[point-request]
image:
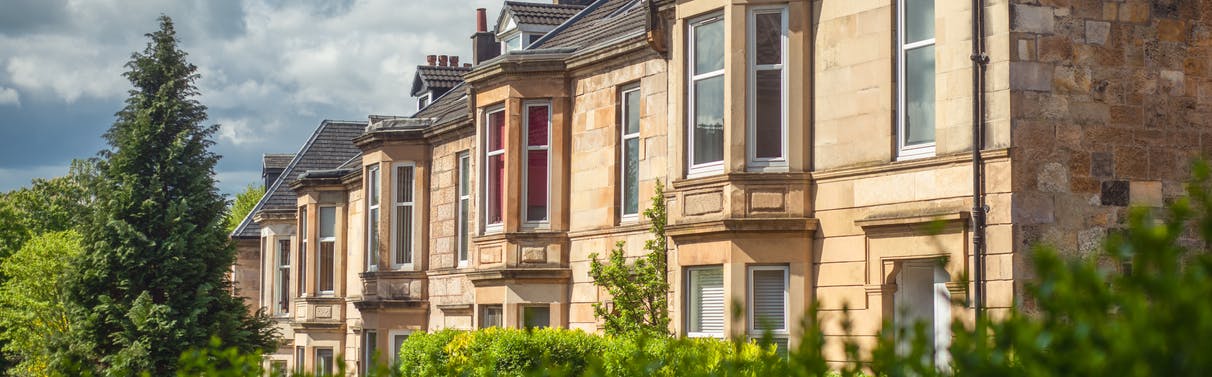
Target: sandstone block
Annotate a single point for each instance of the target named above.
(1053, 177)
(1097, 32)
(1031, 76)
(1033, 19)
(1145, 193)
(1134, 11)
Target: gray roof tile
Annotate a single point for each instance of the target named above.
(604, 21)
(430, 77)
(539, 13)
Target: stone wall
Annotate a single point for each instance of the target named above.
(1110, 100)
(446, 286)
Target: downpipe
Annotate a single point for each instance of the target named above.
(980, 61)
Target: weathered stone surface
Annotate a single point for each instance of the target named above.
(1031, 76)
(534, 254)
(1115, 193)
(1145, 193)
(1097, 32)
(1053, 177)
(703, 203)
(1033, 19)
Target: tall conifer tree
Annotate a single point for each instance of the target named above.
(152, 280)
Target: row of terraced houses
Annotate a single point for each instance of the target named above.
(804, 146)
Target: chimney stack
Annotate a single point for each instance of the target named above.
(442, 60)
(431, 59)
(466, 65)
(454, 61)
(484, 44)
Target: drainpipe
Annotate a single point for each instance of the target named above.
(980, 61)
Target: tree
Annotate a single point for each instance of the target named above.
(244, 203)
(152, 279)
(32, 307)
(640, 290)
(48, 205)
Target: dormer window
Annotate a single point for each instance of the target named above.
(521, 24)
(423, 100)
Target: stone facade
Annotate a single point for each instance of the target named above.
(1090, 107)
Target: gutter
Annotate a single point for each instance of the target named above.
(980, 61)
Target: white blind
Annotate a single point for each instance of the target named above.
(769, 301)
(707, 300)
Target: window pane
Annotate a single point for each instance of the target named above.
(328, 225)
(706, 300)
(514, 43)
(323, 362)
(919, 20)
(496, 127)
(631, 120)
(490, 316)
(284, 290)
(708, 47)
(463, 173)
(532, 38)
(303, 223)
(372, 183)
(769, 114)
(371, 340)
(404, 178)
(919, 96)
(768, 38)
(769, 303)
(536, 317)
(372, 243)
(536, 185)
(404, 222)
(496, 171)
(536, 133)
(326, 266)
(631, 176)
(284, 252)
(709, 120)
(397, 341)
(464, 234)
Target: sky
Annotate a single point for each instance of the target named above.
(271, 71)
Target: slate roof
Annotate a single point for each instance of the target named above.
(448, 108)
(601, 23)
(540, 13)
(276, 160)
(330, 146)
(430, 77)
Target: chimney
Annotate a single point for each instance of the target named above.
(454, 61)
(481, 20)
(466, 65)
(484, 44)
(431, 59)
(442, 62)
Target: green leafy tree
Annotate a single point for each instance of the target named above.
(48, 205)
(244, 203)
(640, 289)
(32, 307)
(151, 281)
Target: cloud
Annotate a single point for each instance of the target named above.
(9, 96)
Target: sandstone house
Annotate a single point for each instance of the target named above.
(805, 146)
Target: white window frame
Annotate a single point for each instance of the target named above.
(526, 163)
(463, 166)
(623, 138)
(908, 152)
(396, 238)
(320, 248)
(301, 257)
(522, 314)
(710, 168)
(778, 164)
(391, 342)
(754, 330)
(424, 100)
(488, 154)
(374, 179)
(281, 293)
(689, 291)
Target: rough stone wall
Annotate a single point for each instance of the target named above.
(1110, 100)
(594, 217)
(246, 273)
(447, 288)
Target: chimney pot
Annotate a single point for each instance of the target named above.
(442, 60)
(454, 61)
(466, 65)
(431, 59)
(481, 20)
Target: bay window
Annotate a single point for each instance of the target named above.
(372, 218)
(767, 97)
(537, 126)
(705, 147)
(705, 302)
(629, 152)
(464, 207)
(494, 155)
(370, 350)
(402, 216)
(915, 75)
(326, 254)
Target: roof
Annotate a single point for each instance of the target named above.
(540, 13)
(430, 77)
(603, 22)
(448, 108)
(330, 146)
(276, 160)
